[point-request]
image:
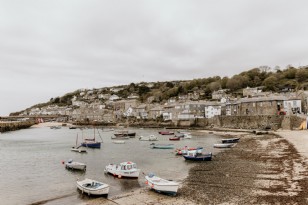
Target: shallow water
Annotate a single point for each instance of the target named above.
(31, 170)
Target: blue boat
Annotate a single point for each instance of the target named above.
(91, 142)
(194, 156)
(162, 146)
(230, 140)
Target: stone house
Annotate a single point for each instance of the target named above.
(219, 94)
(168, 112)
(140, 112)
(251, 92)
(155, 112)
(261, 106)
(191, 110)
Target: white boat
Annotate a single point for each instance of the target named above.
(118, 141)
(70, 164)
(187, 136)
(224, 145)
(92, 187)
(124, 169)
(161, 185)
(148, 138)
(77, 148)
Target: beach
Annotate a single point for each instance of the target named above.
(260, 169)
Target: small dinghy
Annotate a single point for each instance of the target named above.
(79, 149)
(187, 136)
(161, 146)
(195, 156)
(118, 141)
(230, 140)
(125, 169)
(174, 138)
(70, 164)
(161, 185)
(224, 145)
(92, 187)
(166, 133)
(148, 138)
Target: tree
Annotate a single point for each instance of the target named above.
(301, 75)
(270, 83)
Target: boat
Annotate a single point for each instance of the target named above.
(174, 138)
(224, 145)
(122, 138)
(179, 134)
(187, 136)
(166, 133)
(56, 127)
(124, 169)
(183, 151)
(195, 156)
(77, 148)
(91, 142)
(162, 146)
(125, 133)
(71, 127)
(230, 140)
(118, 141)
(92, 187)
(70, 164)
(161, 185)
(148, 138)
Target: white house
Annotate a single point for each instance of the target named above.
(292, 106)
(114, 97)
(212, 109)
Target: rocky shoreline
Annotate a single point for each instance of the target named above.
(261, 169)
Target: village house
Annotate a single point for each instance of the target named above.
(114, 98)
(140, 112)
(212, 109)
(191, 110)
(251, 92)
(292, 106)
(261, 106)
(156, 112)
(167, 113)
(217, 95)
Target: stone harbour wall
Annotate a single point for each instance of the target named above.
(11, 126)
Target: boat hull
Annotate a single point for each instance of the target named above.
(231, 140)
(112, 169)
(174, 138)
(97, 189)
(170, 188)
(91, 145)
(158, 146)
(207, 157)
(224, 145)
(75, 166)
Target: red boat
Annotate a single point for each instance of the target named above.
(166, 133)
(174, 138)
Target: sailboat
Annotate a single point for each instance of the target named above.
(91, 142)
(77, 148)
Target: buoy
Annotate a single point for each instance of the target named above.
(146, 182)
(62, 162)
(119, 176)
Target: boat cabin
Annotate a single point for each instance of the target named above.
(192, 153)
(128, 166)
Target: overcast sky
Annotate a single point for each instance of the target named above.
(51, 47)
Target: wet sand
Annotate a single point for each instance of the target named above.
(261, 169)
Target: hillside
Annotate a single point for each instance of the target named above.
(275, 80)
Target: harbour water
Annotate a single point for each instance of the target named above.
(31, 169)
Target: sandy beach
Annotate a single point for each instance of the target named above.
(261, 169)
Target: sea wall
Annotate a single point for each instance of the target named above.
(11, 126)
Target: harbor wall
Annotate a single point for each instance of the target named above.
(11, 126)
